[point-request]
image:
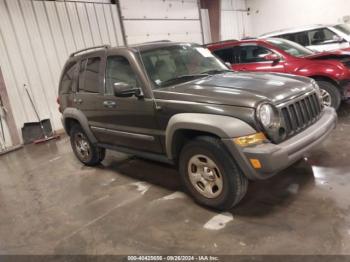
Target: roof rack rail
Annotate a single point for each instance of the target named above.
(219, 42)
(89, 48)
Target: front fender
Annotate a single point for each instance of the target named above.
(334, 72)
(221, 126)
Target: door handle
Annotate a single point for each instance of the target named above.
(78, 100)
(109, 104)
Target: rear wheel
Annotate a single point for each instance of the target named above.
(210, 174)
(330, 94)
(87, 153)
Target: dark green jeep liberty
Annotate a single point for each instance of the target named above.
(177, 103)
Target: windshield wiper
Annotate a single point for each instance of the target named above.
(183, 77)
(216, 71)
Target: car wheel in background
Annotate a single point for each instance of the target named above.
(330, 94)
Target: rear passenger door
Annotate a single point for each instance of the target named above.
(251, 57)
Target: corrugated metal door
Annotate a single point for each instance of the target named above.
(234, 19)
(36, 38)
(151, 20)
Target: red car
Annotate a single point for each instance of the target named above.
(331, 70)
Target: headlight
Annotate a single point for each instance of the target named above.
(266, 115)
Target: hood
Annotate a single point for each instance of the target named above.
(341, 55)
(238, 89)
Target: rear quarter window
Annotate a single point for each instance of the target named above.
(89, 75)
(67, 84)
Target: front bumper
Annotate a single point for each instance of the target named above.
(274, 158)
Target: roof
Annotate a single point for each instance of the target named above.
(228, 43)
(136, 47)
(293, 30)
(156, 44)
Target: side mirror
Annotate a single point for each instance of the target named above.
(338, 39)
(122, 89)
(272, 57)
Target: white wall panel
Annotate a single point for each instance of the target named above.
(159, 9)
(151, 20)
(271, 15)
(235, 22)
(36, 39)
(153, 30)
(85, 24)
(75, 25)
(206, 26)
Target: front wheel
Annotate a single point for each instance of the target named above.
(210, 174)
(330, 94)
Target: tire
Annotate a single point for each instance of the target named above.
(84, 150)
(203, 152)
(331, 95)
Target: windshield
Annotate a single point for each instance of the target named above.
(175, 64)
(344, 28)
(290, 47)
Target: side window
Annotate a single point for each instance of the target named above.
(321, 36)
(89, 75)
(300, 38)
(252, 54)
(290, 37)
(119, 70)
(225, 55)
(67, 80)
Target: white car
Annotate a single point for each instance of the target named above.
(317, 37)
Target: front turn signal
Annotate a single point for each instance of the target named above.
(257, 138)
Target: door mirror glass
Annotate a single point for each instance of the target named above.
(122, 89)
(272, 57)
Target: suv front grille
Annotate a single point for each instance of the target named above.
(300, 113)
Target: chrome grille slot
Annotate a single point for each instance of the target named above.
(300, 113)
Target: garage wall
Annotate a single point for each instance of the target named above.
(235, 21)
(151, 20)
(37, 37)
(270, 15)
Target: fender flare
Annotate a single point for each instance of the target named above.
(221, 126)
(76, 114)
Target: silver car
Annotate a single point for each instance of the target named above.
(316, 37)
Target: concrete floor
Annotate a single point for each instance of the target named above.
(52, 204)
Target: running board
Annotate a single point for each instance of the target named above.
(141, 154)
